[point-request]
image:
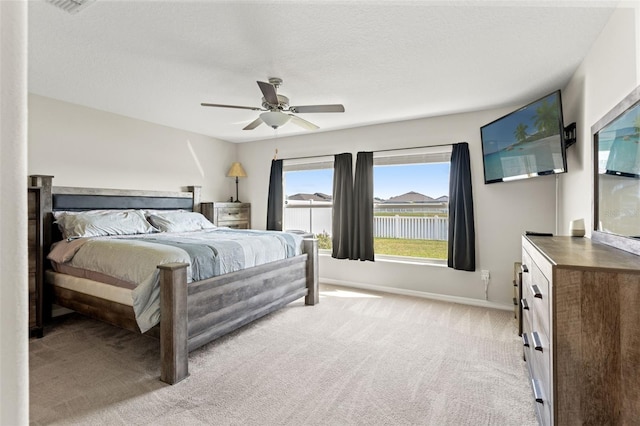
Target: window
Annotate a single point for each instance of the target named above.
(411, 204)
(308, 189)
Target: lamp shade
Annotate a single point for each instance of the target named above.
(236, 170)
(274, 119)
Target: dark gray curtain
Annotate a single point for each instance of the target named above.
(462, 235)
(342, 213)
(275, 201)
(363, 208)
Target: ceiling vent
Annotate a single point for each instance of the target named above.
(71, 6)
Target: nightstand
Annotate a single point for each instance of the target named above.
(233, 215)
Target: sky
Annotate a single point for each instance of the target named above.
(388, 181)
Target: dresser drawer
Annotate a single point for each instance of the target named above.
(538, 372)
(541, 360)
(537, 357)
(536, 291)
(526, 303)
(543, 406)
(539, 293)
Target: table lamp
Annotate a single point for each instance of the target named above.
(236, 171)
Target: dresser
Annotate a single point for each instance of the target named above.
(233, 215)
(581, 330)
(34, 246)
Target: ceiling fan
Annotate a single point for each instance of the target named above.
(277, 107)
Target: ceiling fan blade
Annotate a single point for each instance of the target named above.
(317, 108)
(232, 106)
(303, 123)
(255, 123)
(269, 92)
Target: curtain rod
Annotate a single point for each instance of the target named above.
(379, 150)
(414, 147)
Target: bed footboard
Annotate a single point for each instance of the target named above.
(197, 314)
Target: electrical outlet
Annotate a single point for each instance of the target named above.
(484, 275)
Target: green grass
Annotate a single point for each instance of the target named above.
(429, 249)
(324, 241)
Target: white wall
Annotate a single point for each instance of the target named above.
(14, 360)
(503, 211)
(90, 148)
(610, 72)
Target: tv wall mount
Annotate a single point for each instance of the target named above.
(570, 135)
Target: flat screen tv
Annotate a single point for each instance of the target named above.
(526, 143)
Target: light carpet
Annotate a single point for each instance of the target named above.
(357, 358)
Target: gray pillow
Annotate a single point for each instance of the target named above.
(96, 223)
(180, 221)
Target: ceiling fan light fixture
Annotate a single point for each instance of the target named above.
(70, 6)
(276, 105)
(274, 119)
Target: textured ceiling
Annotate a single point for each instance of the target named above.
(384, 60)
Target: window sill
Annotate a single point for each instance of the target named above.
(411, 260)
(399, 259)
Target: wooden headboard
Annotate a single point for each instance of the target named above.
(58, 198)
(78, 199)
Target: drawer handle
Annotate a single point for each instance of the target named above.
(524, 268)
(525, 340)
(537, 343)
(537, 393)
(524, 304)
(536, 291)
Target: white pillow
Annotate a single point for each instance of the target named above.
(180, 221)
(96, 223)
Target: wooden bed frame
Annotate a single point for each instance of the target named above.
(192, 315)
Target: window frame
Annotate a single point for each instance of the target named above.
(307, 164)
(408, 156)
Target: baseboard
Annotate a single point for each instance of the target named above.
(425, 295)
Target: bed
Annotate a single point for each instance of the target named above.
(192, 314)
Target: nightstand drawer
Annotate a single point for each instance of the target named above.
(225, 214)
(235, 225)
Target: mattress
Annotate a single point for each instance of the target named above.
(90, 287)
(133, 260)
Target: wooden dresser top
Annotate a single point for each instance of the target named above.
(582, 253)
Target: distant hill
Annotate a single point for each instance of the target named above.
(410, 197)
